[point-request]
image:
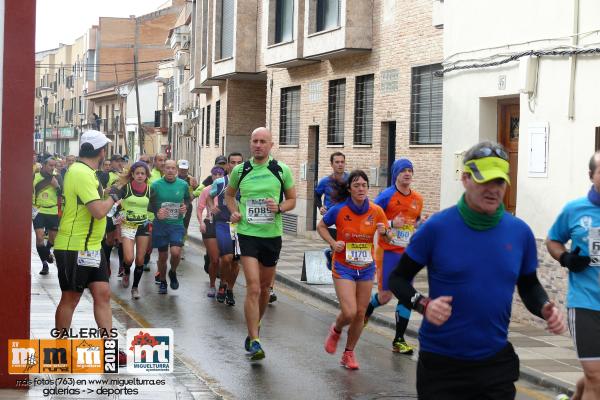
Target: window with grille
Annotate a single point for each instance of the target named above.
(202, 132)
(363, 110)
(227, 24)
(335, 111)
(328, 14)
(208, 125)
(426, 105)
(284, 20)
(217, 121)
(289, 119)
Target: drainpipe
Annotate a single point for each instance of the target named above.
(573, 67)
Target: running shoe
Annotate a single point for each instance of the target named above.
(146, 267)
(211, 292)
(221, 294)
(157, 277)
(135, 293)
(122, 358)
(255, 352)
(162, 289)
(45, 269)
(400, 346)
(50, 258)
(272, 296)
(247, 343)
(328, 256)
(173, 279)
(125, 281)
(349, 360)
(229, 299)
(332, 340)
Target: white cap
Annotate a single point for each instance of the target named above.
(96, 138)
(183, 164)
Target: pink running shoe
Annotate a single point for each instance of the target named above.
(349, 360)
(332, 340)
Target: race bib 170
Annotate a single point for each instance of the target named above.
(359, 254)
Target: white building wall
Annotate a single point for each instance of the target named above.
(470, 96)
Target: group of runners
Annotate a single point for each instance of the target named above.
(475, 253)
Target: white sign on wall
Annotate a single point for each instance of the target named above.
(538, 133)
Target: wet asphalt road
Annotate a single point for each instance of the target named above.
(209, 336)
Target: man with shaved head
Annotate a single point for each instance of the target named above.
(169, 201)
(158, 167)
(266, 189)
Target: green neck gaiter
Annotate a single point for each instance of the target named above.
(478, 221)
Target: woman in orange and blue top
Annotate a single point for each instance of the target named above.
(357, 219)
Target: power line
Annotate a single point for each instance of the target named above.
(516, 56)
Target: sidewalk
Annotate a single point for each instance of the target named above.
(547, 360)
(182, 384)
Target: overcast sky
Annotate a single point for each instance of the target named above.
(63, 21)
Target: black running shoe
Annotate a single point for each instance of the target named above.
(44, 270)
(221, 294)
(272, 296)
(229, 299)
(173, 278)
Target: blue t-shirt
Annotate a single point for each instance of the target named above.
(574, 223)
(325, 187)
(479, 269)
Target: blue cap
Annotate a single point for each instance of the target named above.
(398, 166)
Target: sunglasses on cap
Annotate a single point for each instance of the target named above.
(490, 151)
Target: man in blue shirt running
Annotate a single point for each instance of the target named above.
(475, 254)
(579, 222)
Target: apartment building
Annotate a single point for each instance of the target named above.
(228, 75)
(324, 75)
(357, 77)
(81, 80)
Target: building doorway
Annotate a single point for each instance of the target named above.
(387, 152)
(508, 136)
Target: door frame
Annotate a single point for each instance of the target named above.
(502, 103)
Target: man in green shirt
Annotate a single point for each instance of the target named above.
(169, 201)
(158, 168)
(262, 183)
(79, 258)
(46, 191)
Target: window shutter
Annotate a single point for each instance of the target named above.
(227, 24)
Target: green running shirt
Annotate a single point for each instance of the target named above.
(78, 230)
(259, 184)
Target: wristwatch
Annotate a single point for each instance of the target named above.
(114, 197)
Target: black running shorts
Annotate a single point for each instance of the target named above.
(584, 325)
(46, 221)
(265, 250)
(75, 278)
(211, 231)
(445, 378)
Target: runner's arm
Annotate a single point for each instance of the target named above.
(401, 278)
(153, 202)
(230, 200)
(99, 208)
(290, 200)
(532, 293)
(556, 249)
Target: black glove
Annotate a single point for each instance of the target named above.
(115, 193)
(573, 261)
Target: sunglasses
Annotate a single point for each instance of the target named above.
(490, 151)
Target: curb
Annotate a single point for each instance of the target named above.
(527, 373)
